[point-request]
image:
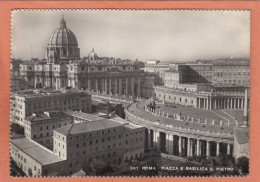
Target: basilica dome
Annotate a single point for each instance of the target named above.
(63, 44)
(63, 36)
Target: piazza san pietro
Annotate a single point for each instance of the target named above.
(81, 115)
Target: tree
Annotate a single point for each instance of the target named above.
(243, 164)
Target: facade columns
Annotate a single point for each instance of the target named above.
(56, 83)
(115, 80)
(132, 86)
(105, 85)
(231, 104)
(217, 149)
(242, 103)
(126, 86)
(138, 87)
(198, 102)
(205, 104)
(110, 86)
(207, 149)
(89, 84)
(96, 85)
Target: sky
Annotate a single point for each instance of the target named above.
(168, 35)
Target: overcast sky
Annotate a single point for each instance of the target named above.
(169, 35)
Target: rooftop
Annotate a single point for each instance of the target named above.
(41, 154)
(46, 115)
(242, 135)
(47, 92)
(82, 115)
(78, 128)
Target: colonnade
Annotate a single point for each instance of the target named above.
(186, 146)
(116, 85)
(220, 103)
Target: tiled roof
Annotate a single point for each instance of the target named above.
(78, 128)
(45, 116)
(82, 115)
(41, 154)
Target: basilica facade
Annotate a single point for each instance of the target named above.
(63, 67)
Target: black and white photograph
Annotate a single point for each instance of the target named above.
(129, 92)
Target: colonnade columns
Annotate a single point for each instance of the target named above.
(120, 86)
(191, 147)
(198, 102)
(126, 86)
(149, 138)
(188, 148)
(198, 148)
(210, 104)
(156, 139)
(180, 145)
(169, 143)
(217, 149)
(228, 148)
(207, 149)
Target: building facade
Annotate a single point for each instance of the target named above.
(63, 67)
(110, 142)
(39, 127)
(25, 103)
